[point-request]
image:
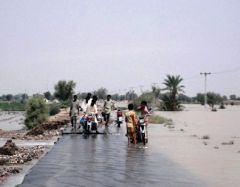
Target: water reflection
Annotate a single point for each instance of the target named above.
(106, 160)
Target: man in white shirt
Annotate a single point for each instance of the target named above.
(74, 112)
(86, 101)
(107, 108)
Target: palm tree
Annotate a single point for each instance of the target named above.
(172, 84)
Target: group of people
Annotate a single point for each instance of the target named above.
(89, 105)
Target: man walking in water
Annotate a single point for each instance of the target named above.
(107, 108)
(74, 112)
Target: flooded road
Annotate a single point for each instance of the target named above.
(107, 160)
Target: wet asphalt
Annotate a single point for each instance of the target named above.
(79, 160)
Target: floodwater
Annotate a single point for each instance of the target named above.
(176, 156)
(11, 120)
(216, 160)
(107, 160)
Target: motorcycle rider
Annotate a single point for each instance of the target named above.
(92, 108)
(86, 101)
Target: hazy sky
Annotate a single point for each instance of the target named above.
(119, 44)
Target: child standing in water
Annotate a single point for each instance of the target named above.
(131, 123)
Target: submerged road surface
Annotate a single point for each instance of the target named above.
(107, 160)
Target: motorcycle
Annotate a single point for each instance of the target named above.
(90, 124)
(99, 118)
(141, 130)
(119, 118)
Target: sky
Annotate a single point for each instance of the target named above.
(119, 45)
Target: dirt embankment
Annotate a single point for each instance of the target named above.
(12, 156)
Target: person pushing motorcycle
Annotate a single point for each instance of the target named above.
(145, 113)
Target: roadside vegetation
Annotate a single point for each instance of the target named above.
(36, 112)
(156, 119)
(54, 108)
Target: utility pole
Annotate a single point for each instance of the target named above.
(205, 86)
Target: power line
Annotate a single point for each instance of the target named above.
(227, 71)
(192, 77)
(196, 76)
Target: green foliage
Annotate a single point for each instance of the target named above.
(173, 87)
(168, 103)
(172, 84)
(21, 98)
(146, 96)
(233, 97)
(64, 90)
(101, 93)
(222, 106)
(131, 95)
(200, 98)
(213, 98)
(9, 97)
(224, 98)
(155, 119)
(118, 97)
(65, 104)
(184, 99)
(48, 95)
(36, 112)
(156, 91)
(11, 102)
(54, 109)
(12, 106)
(82, 95)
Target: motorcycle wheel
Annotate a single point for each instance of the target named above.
(138, 134)
(88, 129)
(94, 126)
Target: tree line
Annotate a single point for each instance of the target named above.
(170, 97)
